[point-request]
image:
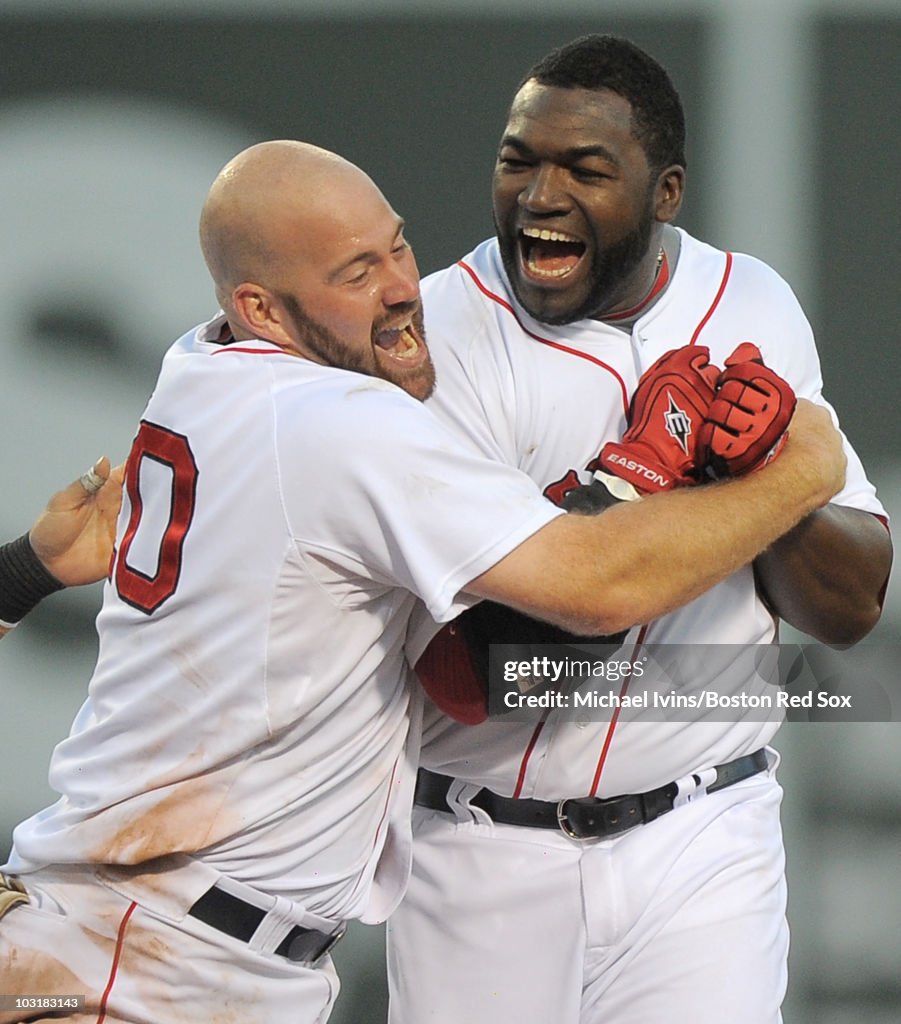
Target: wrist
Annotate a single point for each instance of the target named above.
(811, 475)
(24, 581)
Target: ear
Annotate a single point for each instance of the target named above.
(669, 191)
(262, 315)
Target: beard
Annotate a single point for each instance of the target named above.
(611, 267)
(418, 381)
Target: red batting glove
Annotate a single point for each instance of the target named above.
(658, 450)
(745, 427)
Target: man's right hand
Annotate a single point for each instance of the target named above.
(74, 535)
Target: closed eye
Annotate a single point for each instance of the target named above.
(513, 163)
(359, 278)
(588, 174)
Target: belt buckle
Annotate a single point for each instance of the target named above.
(331, 942)
(328, 944)
(565, 824)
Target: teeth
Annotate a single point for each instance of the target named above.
(410, 345)
(401, 342)
(398, 328)
(548, 236)
(540, 272)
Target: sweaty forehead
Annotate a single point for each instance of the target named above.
(352, 226)
(571, 117)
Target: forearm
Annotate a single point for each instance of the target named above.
(643, 559)
(666, 550)
(827, 576)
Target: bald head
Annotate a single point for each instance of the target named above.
(306, 253)
(262, 202)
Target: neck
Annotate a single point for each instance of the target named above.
(662, 269)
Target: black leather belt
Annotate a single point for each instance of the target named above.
(232, 915)
(583, 817)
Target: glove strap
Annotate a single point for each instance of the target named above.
(621, 489)
(24, 581)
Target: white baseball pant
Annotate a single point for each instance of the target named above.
(76, 936)
(680, 921)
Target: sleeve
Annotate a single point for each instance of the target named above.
(380, 488)
(785, 338)
(474, 394)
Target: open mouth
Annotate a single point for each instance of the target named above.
(401, 343)
(549, 255)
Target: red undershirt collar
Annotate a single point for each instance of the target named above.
(660, 282)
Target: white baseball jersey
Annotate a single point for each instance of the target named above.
(250, 706)
(545, 399)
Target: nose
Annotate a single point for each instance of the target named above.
(402, 284)
(544, 193)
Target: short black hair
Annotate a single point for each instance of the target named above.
(610, 62)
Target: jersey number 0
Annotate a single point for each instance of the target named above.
(143, 591)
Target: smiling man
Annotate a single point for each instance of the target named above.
(348, 328)
(597, 260)
(539, 338)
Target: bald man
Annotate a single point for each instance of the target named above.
(238, 783)
(68, 545)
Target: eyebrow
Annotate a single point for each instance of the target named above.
(571, 155)
(368, 256)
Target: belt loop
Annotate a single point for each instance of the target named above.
(581, 817)
(459, 797)
(279, 920)
(691, 787)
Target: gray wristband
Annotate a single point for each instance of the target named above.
(24, 581)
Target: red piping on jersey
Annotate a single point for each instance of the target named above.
(545, 341)
(120, 939)
(521, 778)
(716, 299)
(249, 351)
(608, 739)
(611, 728)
